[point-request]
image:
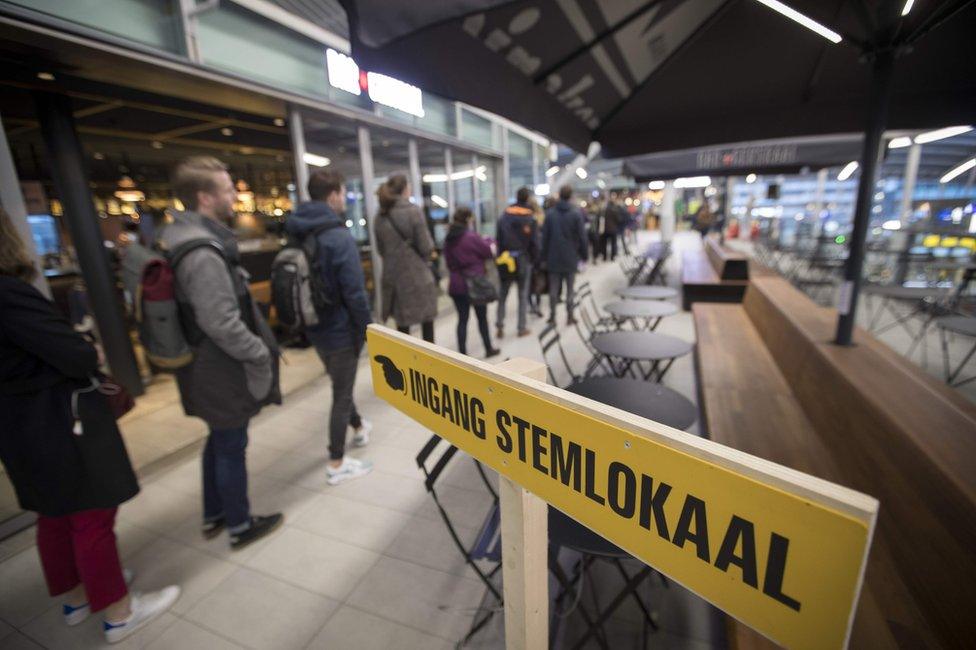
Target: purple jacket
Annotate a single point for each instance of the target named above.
(465, 254)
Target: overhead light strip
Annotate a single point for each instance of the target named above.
(807, 22)
(907, 7)
(848, 171)
(941, 134)
(961, 169)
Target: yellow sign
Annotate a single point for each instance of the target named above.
(781, 551)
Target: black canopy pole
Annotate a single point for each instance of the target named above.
(880, 91)
(71, 180)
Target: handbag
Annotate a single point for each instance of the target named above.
(481, 290)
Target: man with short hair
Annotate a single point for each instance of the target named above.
(563, 248)
(340, 333)
(234, 371)
(517, 234)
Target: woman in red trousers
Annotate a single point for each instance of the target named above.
(63, 452)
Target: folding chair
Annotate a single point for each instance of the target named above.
(487, 545)
(658, 273)
(585, 292)
(549, 339)
(586, 332)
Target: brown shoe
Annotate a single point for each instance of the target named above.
(524, 332)
(499, 333)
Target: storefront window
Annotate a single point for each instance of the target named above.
(519, 163)
(486, 197)
(475, 128)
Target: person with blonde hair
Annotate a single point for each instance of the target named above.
(63, 452)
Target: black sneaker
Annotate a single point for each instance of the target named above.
(494, 352)
(211, 529)
(260, 526)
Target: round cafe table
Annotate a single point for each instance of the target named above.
(644, 314)
(648, 400)
(646, 292)
(634, 348)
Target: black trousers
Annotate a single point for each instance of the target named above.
(611, 239)
(341, 367)
(463, 305)
(426, 330)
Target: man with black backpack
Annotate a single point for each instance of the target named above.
(234, 368)
(342, 312)
(517, 234)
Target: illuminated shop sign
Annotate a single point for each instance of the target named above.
(345, 75)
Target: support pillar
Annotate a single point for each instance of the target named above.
(449, 172)
(667, 212)
(475, 198)
(903, 238)
(416, 180)
(69, 170)
(296, 132)
(12, 200)
(506, 190)
(371, 208)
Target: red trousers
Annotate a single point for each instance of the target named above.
(80, 548)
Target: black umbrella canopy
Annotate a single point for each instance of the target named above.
(640, 76)
(785, 156)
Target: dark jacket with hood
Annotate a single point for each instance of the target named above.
(42, 361)
(518, 232)
(466, 252)
(563, 238)
(343, 323)
(234, 371)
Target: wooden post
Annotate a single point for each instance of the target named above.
(525, 549)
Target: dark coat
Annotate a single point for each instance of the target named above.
(42, 360)
(613, 219)
(343, 324)
(466, 253)
(563, 238)
(518, 232)
(404, 243)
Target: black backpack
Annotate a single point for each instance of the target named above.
(298, 289)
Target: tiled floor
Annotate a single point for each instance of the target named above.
(364, 565)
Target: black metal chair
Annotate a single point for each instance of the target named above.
(487, 545)
(549, 339)
(586, 328)
(585, 292)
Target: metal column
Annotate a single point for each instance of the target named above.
(449, 172)
(667, 224)
(475, 198)
(372, 211)
(908, 186)
(535, 166)
(69, 170)
(416, 180)
(297, 133)
(13, 202)
(506, 190)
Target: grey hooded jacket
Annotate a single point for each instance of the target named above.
(234, 371)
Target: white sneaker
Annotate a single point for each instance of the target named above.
(75, 615)
(145, 608)
(360, 437)
(349, 469)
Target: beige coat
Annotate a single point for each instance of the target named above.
(404, 243)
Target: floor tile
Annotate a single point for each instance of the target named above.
(262, 612)
(17, 542)
(183, 635)
(354, 522)
(353, 628)
(320, 564)
(50, 632)
(430, 544)
(466, 507)
(5, 630)
(17, 641)
(407, 593)
(165, 562)
(384, 490)
(159, 508)
(24, 594)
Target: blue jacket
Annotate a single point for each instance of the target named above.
(517, 232)
(343, 325)
(563, 238)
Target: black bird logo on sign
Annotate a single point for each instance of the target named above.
(392, 374)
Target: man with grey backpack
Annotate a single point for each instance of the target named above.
(337, 323)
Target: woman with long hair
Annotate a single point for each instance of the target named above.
(409, 292)
(466, 252)
(63, 452)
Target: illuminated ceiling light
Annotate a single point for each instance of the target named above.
(849, 169)
(655, 185)
(891, 224)
(45, 76)
(278, 121)
(898, 143)
(692, 182)
(581, 173)
(156, 144)
(601, 183)
(315, 160)
(348, 223)
(796, 16)
(952, 173)
(438, 201)
(552, 171)
(907, 7)
(227, 131)
(98, 155)
(244, 193)
(434, 178)
(751, 178)
(941, 134)
(127, 191)
(542, 189)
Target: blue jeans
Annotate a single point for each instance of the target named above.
(225, 478)
(521, 281)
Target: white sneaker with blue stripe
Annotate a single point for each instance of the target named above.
(75, 615)
(349, 469)
(145, 608)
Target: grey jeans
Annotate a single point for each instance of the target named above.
(521, 282)
(555, 286)
(341, 367)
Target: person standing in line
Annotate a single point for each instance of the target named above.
(234, 371)
(517, 233)
(563, 249)
(45, 368)
(466, 253)
(340, 334)
(535, 287)
(409, 291)
(612, 220)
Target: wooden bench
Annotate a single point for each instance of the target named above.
(772, 384)
(713, 274)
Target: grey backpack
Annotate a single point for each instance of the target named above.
(298, 290)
